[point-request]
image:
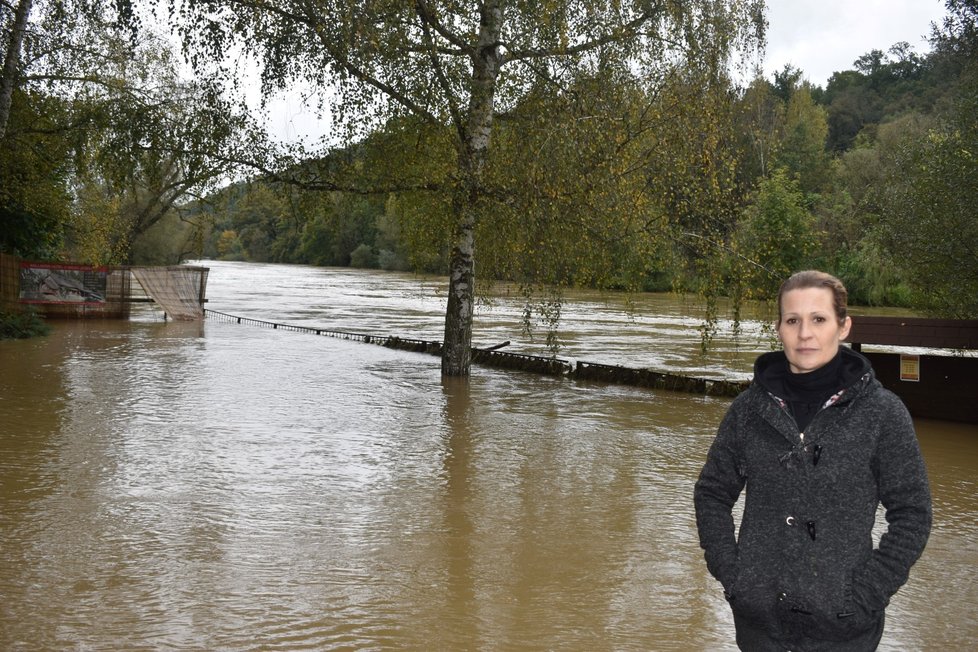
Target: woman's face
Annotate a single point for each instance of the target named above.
(809, 329)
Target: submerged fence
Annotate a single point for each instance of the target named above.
(492, 357)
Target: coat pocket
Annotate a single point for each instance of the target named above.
(753, 599)
(831, 615)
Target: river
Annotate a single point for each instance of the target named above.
(216, 486)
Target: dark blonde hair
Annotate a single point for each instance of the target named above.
(815, 279)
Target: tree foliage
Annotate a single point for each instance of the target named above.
(104, 121)
(802, 149)
(35, 171)
(930, 218)
(600, 183)
(455, 67)
(776, 237)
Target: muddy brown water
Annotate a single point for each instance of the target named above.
(214, 486)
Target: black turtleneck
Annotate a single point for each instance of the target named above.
(806, 393)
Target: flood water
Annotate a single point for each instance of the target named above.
(216, 486)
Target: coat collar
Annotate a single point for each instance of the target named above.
(856, 375)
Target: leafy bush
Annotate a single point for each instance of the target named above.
(363, 257)
(392, 261)
(21, 325)
(776, 236)
(871, 281)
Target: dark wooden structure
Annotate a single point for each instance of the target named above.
(94, 292)
(932, 386)
(112, 303)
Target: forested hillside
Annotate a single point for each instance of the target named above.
(842, 178)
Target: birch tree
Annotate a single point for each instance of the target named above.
(453, 64)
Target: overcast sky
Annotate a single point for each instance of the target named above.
(819, 37)
(825, 36)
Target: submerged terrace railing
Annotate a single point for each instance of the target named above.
(493, 357)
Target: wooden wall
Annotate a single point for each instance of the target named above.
(947, 389)
(947, 385)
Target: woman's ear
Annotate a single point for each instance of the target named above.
(846, 326)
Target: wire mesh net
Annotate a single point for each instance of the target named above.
(178, 289)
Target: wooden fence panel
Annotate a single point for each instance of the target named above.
(9, 281)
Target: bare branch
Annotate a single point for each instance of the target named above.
(425, 19)
(429, 18)
(623, 32)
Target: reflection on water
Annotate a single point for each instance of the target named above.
(216, 486)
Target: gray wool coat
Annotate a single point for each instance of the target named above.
(803, 573)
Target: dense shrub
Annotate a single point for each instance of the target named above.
(20, 325)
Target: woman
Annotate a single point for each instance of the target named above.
(819, 444)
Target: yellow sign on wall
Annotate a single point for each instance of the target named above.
(910, 368)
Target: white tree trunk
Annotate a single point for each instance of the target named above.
(11, 62)
(457, 352)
